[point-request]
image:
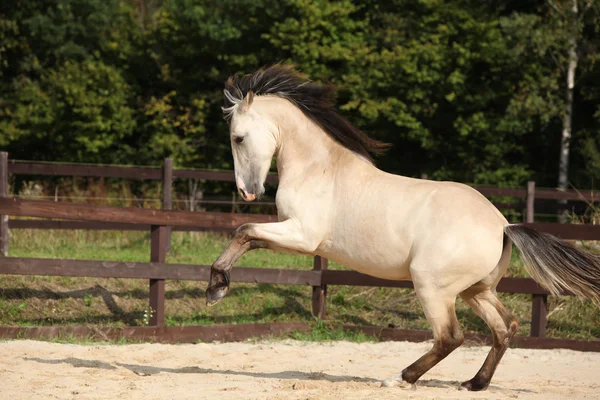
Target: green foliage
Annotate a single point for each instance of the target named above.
(173, 130)
(463, 89)
(78, 110)
(591, 150)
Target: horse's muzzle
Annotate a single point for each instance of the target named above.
(246, 196)
(243, 191)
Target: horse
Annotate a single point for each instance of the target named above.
(332, 201)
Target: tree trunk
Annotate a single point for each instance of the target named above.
(195, 193)
(563, 169)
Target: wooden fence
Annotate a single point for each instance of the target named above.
(158, 222)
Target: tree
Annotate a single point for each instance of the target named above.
(464, 90)
(571, 14)
(64, 95)
(77, 111)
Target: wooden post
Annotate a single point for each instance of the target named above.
(539, 302)
(319, 295)
(167, 197)
(539, 311)
(4, 193)
(157, 286)
(530, 211)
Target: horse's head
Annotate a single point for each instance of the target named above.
(258, 129)
(253, 145)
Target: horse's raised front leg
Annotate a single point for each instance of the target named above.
(218, 284)
(286, 235)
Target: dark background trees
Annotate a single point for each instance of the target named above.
(465, 90)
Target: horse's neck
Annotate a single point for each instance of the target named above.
(306, 151)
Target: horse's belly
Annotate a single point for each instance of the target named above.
(380, 265)
(392, 272)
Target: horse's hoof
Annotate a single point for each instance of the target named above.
(389, 382)
(472, 386)
(398, 381)
(215, 294)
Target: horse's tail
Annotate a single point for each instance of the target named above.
(557, 265)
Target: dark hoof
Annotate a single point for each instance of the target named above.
(218, 286)
(473, 386)
(215, 294)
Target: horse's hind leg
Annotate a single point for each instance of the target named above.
(447, 336)
(503, 325)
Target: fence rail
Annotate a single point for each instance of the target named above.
(125, 172)
(93, 213)
(160, 222)
(155, 173)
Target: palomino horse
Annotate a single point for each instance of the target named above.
(333, 202)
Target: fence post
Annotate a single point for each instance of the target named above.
(530, 210)
(539, 302)
(167, 197)
(4, 193)
(158, 241)
(539, 311)
(319, 294)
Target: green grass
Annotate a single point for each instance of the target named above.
(40, 300)
(91, 339)
(324, 331)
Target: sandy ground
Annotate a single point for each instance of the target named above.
(281, 370)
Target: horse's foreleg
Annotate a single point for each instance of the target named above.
(218, 284)
(286, 235)
(447, 336)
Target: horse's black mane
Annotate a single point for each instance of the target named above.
(317, 101)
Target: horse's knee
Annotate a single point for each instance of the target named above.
(503, 337)
(513, 326)
(452, 341)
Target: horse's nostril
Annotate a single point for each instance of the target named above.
(245, 195)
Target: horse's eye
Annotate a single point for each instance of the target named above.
(239, 139)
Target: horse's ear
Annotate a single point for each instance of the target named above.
(247, 102)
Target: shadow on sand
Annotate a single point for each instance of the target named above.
(148, 370)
